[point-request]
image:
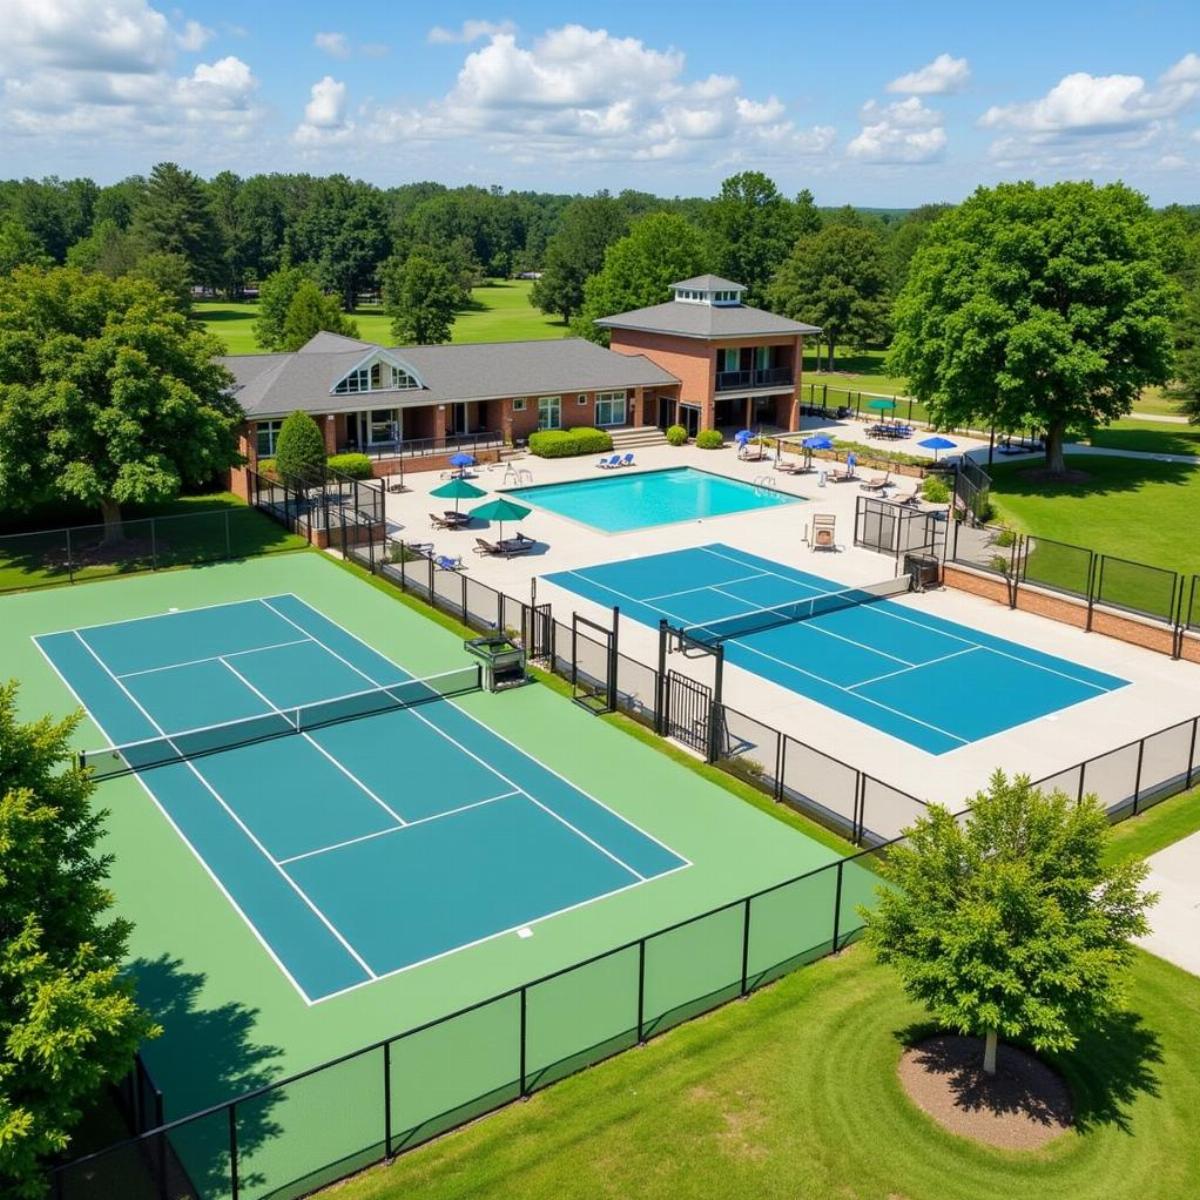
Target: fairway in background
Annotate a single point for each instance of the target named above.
(500, 312)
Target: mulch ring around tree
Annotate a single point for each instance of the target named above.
(1022, 1107)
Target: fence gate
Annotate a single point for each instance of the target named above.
(687, 711)
(594, 664)
(537, 630)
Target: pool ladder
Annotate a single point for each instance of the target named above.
(765, 482)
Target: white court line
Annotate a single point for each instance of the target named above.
(508, 742)
(241, 824)
(801, 671)
(149, 617)
(706, 587)
(482, 762)
(914, 667)
(237, 908)
(194, 662)
(367, 837)
(316, 746)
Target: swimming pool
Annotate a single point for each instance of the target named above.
(618, 503)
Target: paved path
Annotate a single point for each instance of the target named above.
(980, 454)
(1175, 919)
(1165, 418)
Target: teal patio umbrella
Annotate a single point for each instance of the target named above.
(881, 405)
(501, 509)
(458, 489)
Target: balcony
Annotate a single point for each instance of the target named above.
(468, 443)
(729, 381)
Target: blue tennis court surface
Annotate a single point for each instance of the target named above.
(353, 849)
(932, 683)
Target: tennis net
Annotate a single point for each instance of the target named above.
(229, 735)
(761, 619)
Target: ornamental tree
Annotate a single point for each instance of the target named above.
(1036, 305)
(69, 1022)
(108, 395)
(1009, 923)
(299, 451)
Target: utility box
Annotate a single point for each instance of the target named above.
(503, 660)
(924, 570)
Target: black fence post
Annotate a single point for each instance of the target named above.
(641, 1000)
(661, 678)
(1191, 760)
(780, 765)
(233, 1153)
(463, 580)
(387, 1101)
(1137, 778)
(837, 905)
(524, 1027)
(745, 946)
(70, 559)
(228, 536)
(154, 543)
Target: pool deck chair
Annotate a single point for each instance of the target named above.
(627, 461)
(911, 499)
(444, 562)
(877, 483)
(607, 464)
(848, 473)
(822, 532)
(438, 522)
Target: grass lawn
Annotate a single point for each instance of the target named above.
(1152, 437)
(1136, 509)
(191, 529)
(1157, 400)
(499, 312)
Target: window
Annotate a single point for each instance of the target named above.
(356, 381)
(762, 358)
(733, 359)
(382, 426)
(402, 379)
(519, 404)
(581, 400)
(550, 412)
(376, 377)
(610, 408)
(265, 433)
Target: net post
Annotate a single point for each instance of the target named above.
(660, 682)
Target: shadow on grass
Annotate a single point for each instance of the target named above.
(1105, 476)
(212, 1057)
(1111, 1067)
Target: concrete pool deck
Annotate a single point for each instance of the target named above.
(1162, 691)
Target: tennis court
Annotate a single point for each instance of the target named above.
(932, 683)
(358, 819)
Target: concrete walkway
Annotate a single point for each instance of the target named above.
(1165, 418)
(1175, 919)
(980, 454)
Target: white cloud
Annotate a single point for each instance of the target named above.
(938, 78)
(325, 113)
(1082, 105)
(336, 45)
(468, 32)
(904, 131)
(1172, 162)
(576, 94)
(193, 36)
(88, 69)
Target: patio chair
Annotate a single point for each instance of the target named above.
(438, 522)
(444, 562)
(877, 483)
(520, 544)
(489, 548)
(627, 461)
(822, 533)
(607, 464)
(846, 474)
(911, 499)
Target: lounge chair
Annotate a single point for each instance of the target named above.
(516, 545)
(846, 474)
(627, 461)
(911, 499)
(438, 522)
(485, 547)
(607, 464)
(444, 562)
(877, 483)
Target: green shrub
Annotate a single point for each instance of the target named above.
(935, 490)
(1005, 537)
(710, 439)
(357, 466)
(266, 466)
(566, 443)
(299, 450)
(677, 435)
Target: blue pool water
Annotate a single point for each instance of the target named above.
(617, 503)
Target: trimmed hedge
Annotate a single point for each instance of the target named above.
(710, 439)
(566, 443)
(357, 466)
(677, 435)
(935, 490)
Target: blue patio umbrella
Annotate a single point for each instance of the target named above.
(937, 444)
(501, 509)
(818, 441)
(743, 435)
(462, 460)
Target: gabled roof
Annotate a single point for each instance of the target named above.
(705, 320)
(272, 385)
(710, 283)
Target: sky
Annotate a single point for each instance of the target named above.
(875, 104)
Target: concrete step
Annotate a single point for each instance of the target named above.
(637, 436)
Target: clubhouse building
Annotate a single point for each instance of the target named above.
(703, 360)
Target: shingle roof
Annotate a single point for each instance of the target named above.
(705, 321)
(268, 385)
(710, 283)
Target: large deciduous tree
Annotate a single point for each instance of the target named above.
(421, 295)
(752, 226)
(836, 279)
(1009, 923)
(659, 250)
(576, 252)
(69, 1021)
(107, 394)
(19, 248)
(309, 312)
(1037, 305)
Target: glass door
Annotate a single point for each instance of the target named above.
(550, 412)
